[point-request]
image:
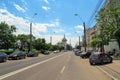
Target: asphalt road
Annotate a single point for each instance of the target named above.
(62, 66)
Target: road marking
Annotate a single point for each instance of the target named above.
(23, 69)
(62, 70)
(107, 73)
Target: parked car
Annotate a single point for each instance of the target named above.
(46, 52)
(77, 53)
(85, 54)
(32, 54)
(56, 51)
(17, 55)
(3, 57)
(100, 58)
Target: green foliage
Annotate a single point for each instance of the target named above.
(117, 35)
(10, 40)
(54, 47)
(7, 51)
(34, 50)
(96, 41)
(109, 22)
(39, 44)
(24, 39)
(7, 39)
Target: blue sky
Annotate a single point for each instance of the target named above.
(54, 17)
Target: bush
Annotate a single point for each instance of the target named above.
(7, 51)
(38, 51)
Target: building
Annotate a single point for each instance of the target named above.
(116, 3)
(64, 44)
(90, 33)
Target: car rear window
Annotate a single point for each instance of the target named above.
(94, 55)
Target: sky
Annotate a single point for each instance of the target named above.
(54, 17)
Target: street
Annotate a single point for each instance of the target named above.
(61, 66)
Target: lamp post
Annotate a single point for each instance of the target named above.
(84, 30)
(31, 32)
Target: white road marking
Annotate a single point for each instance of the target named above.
(23, 69)
(62, 70)
(107, 73)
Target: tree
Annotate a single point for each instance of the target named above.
(109, 21)
(24, 41)
(7, 38)
(39, 44)
(96, 41)
(117, 35)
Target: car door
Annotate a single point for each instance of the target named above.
(106, 58)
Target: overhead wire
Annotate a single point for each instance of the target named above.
(99, 5)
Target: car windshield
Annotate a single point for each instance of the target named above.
(2, 53)
(16, 52)
(83, 52)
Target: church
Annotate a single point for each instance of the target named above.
(64, 44)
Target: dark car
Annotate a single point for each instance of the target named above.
(3, 57)
(32, 54)
(17, 55)
(77, 53)
(85, 54)
(100, 58)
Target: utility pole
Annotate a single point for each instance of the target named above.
(79, 44)
(30, 48)
(30, 36)
(84, 30)
(84, 36)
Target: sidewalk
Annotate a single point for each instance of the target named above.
(113, 69)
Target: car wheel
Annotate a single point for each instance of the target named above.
(24, 57)
(91, 63)
(82, 57)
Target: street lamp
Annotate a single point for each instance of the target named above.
(84, 29)
(31, 32)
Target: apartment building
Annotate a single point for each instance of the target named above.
(90, 33)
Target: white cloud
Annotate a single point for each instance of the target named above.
(59, 30)
(19, 8)
(67, 34)
(23, 27)
(45, 8)
(80, 27)
(46, 1)
(23, 24)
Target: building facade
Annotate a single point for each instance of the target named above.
(64, 44)
(90, 33)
